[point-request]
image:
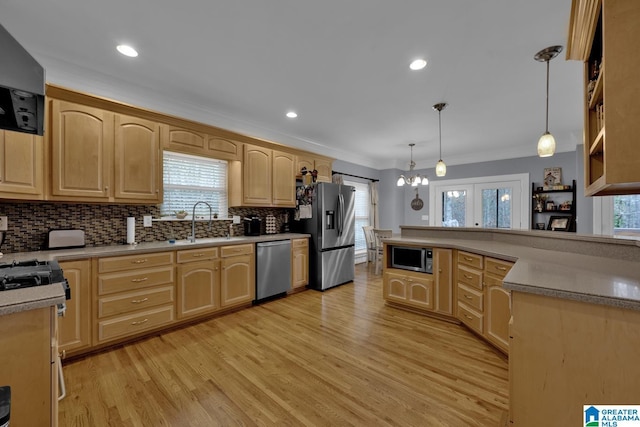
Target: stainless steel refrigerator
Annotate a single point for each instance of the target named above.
(332, 229)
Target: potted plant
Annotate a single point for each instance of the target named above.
(181, 214)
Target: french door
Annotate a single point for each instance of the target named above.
(487, 202)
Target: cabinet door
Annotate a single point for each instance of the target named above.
(284, 179)
(222, 148)
(498, 313)
(420, 291)
(237, 281)
(444, 283)
(324, 168)
(395, 287)
(300, 263)
(198, 288)
(21, 165)
(183, 140)
(28, 366)
(138, 170)
(256, 184)
(81, 151)
(74, 329)
(304, 162)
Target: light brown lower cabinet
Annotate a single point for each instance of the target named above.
(29, 355)
(498, 303)
(135, 294)
(299, 263)
(237, 276)
(409, 288)
(198, 282)
(565, 354)
(74, 328)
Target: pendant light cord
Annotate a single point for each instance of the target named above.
(440, 130)
(547, 118)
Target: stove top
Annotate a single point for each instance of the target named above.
(24, 274)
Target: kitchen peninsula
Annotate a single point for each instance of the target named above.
(574, 315)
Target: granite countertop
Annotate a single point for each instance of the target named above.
(48, 295)
(573, 276)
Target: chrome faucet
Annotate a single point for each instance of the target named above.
(192, 238)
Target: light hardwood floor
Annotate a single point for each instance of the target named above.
(335, 358)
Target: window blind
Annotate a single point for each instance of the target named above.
(362, 213)
(189, 179)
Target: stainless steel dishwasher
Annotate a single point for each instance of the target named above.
(273, 268)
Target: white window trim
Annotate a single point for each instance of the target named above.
(524, 200)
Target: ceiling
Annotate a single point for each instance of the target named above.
(343, 66)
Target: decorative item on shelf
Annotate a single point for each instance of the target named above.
(181, 214)
(565, 206)
(441, 168)
(413, 180)
(550, 206)
(560, 223)
(540, 200)
(271, 225)
(540, 226)
(547, 143)
(553, 178)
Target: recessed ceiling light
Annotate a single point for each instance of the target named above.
(418, 64)
(127, 50)
(292, 114)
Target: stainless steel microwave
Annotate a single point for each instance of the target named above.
(414, 259)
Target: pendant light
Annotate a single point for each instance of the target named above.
(441, 168)
(547, 143)
(412, 180)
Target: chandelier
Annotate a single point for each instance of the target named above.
(413, 180)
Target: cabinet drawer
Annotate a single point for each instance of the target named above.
(132, 324)
(132, 262)
(497, 267)
(133, 301)
(191, 255)
(119, 282)
(470, 317)
(470, 259)
(300, 243)
(471, 297)
(227, 251)
(470, 277)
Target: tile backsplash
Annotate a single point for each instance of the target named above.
(29, 223)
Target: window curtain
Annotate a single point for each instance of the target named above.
(373, 208)
(337, 178)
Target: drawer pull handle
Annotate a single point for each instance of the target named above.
(140, 322)
(140, 280)
(467, 296)
(139, 301)
(198, 255)
(501, 268)
(468, 317)
(467, 277)
(139, 261)
(468, 259)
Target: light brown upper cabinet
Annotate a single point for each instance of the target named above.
(189, 141)
(100, 156)
(81, 151)
(604, 34)
(265, 177)
(137, 160)
(322, 165)
(21, 166)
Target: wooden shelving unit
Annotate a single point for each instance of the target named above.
(604, 34)
(558, 197)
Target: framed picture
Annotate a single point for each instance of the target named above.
(552, 177)
(559, 223)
